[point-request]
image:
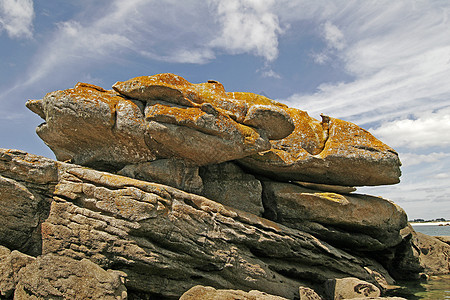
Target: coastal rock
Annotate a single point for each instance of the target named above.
(354, 221)
(165, 116)
(20, 216)
(350, 288)
(209, 293)
(201, 136)
(173, 172)
(91, 126)
(308, 294)
(164, 186)
(11, 262)
(60, 277)
(434, 254)
(332, 152)
(174, 89)
(227, 184)
(167, 240)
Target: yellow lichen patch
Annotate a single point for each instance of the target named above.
(219, 124)
(255, 99)
(308, 134)
(175, 89)
(92, 95)
(347, 137)
(333, 197)
(249, 134)
(172, 114)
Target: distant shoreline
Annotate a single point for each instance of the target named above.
(429, 223)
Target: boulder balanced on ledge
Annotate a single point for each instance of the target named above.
(165, 117)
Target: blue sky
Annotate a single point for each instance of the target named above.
(384, 65)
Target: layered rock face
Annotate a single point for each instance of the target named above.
(163, 185)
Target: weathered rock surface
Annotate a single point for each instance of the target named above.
(351, 221)
(165, 116)
(275, 122)
(167, 240)
(209, 293)
(11, 262)
(350, 288)
(91, 126)
(60, 277)
(227, 195)
(20, 216)
(306, 293)
(432, 252)
(332, 152)
(227, 184)
(173, 172)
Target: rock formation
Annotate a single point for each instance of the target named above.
(163, 186)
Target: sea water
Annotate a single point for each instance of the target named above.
(432, 229)
(437, 287)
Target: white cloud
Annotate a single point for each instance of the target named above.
(269, 73)
(398, 54)
(16, 17)
(429, 130)
(333, 36)
(320, 58)
(442, 176)
(248, 26)
(412, 159)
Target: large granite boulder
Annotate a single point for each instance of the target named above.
(275, 122)
(91, 126)
(165, 116)
(60, 277)
(351, 221)
(11, 262)
(209, 293)
(332, 152)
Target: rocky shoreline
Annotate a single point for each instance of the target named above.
(166, 189)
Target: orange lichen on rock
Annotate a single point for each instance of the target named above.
(165, 116)
(331, 152)
(177, 90)
(246, 108)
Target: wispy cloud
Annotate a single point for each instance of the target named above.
(430, 129)
(248, 26)
(16, 18)
(412, 159)
(398, 54)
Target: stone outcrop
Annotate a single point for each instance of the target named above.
(165, 188)
(11, 262)
(332, 152)
(209, 293)
(60, 277)
(167, 240)
(165, 116)
(353, 221)
(432, 252)
(350, 288)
